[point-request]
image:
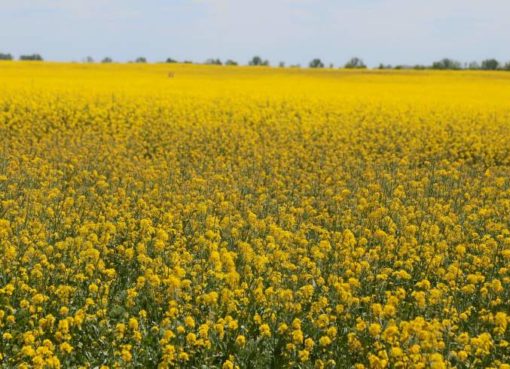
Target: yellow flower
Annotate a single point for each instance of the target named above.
(376, 362)
(66, 347)
(191, 338)
(303, 355)
(183, 356)
(374, 329)
(282, 328)
(501, 321)
(396, 352)
(240, 340)
(28, 338)
(228, 365)
(331, 332)
(437, 361)
(462, 355)
(325, 341)
(64, 310)
(309, 344)
(265, 331)
(38, 299)
(28, 350)
(126, 355)
(133, 323)
(483, 344)
(297, 337)
(189, 321)
(7, 336)
(120, 329)
(93, 288)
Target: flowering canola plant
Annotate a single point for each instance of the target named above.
(156, 216)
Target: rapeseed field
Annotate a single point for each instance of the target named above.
(187, 216)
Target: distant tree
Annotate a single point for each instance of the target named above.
(406, 66)
(31, 57)
(231, 62)
(355, 63)
(281, 64)
(88, 59)
(6, 56)
(506, 66)
(107, 60)
(316, 63)
(490, 64)
(170, 60)
(447, 64)
(473, 65)
(295, 66)
(258, 61)
(213, 61)
(331, 65)
(419, 67)
(140, 59)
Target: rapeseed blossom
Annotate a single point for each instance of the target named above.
(253, 218)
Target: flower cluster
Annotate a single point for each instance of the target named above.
(253, 218)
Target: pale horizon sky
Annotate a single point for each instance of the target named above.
(293, 31)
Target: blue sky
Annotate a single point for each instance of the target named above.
(294, 31)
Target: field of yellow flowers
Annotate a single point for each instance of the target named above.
(156, 216)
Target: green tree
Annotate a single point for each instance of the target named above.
(384, 66)
(4, 56)
(231, 62)
(31, 57)
(355, 63)
(213, 61)
(473, 65)
(258, 61)
(316, 63)
(490, 64)
(447, 64)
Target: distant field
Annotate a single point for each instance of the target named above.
(187, 216)
(221, 81)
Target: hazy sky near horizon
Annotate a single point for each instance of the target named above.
(294, 31)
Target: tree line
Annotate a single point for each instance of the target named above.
(353, 63)
(34, 57)
(452, 64)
